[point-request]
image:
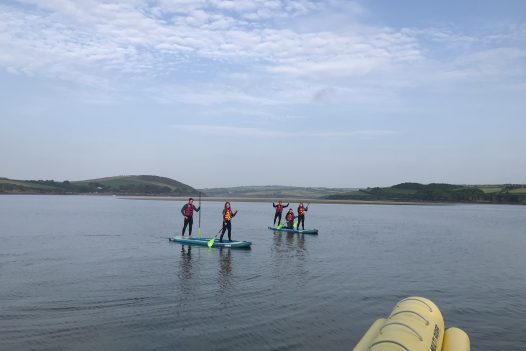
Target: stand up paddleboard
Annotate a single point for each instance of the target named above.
(234, 244)
(297, 231)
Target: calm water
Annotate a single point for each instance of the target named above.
(98, 273)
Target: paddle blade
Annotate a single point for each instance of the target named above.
(199, 231)
(295, 224)
(211, 242)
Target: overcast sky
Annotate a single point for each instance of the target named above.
(257, 92)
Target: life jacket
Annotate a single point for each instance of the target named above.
(228, 215)
(290, 217)
(301, 211)
(189, 210)
(279, 208)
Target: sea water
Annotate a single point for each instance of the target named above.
(94, 273)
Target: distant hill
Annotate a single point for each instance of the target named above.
(273, 191)
(154, 185)
(120, 185)
(438, 192)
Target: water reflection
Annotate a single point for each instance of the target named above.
(301, 242)
(225, 268)
(290, 241)
(186, 262)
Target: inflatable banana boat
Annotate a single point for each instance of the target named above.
(416, 324)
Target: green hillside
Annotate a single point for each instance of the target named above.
(273, 191)
(120, 185)
(154, 185)
(438, 192)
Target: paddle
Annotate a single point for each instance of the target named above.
(199, 230)
(211, 241)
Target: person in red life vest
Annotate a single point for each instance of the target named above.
(227, 218)
(279, 209)
(301, 215)
(188, 213)
(290, 219)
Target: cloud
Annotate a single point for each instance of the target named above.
(250, 132)
(288, 52)
(95, 37)
(230, 131)
(207, 95)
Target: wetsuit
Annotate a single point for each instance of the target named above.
(279, 210)
(188, 213)
(227, 218)
(301, 216)
(290, 220)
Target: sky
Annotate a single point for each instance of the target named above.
(219, 93)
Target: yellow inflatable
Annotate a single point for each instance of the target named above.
(415, 324)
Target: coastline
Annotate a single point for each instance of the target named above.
(293, 200)
(268, 200)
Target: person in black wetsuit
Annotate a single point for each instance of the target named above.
(227, 218)
(279, 210)
(301, 215)
(290, 219)
(188, 213)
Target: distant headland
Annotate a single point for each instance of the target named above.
(150, 185)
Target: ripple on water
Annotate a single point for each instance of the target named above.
(96, 273)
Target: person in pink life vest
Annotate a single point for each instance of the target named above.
(279, 210)
(188, 213)
(290, 219)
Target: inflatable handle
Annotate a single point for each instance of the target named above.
(415, 299)
(413, 312)
(404, 325)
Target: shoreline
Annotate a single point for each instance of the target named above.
(268, 200)
(292, 200)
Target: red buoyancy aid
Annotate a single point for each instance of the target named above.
(228, 215)
(290, 217)
(301, 211)
(279, 208)
(189, 210)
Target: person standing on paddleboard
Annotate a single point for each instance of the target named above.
(188, 213)
(290, 219)
(279, 209)
(227, 218)
(301, 215)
